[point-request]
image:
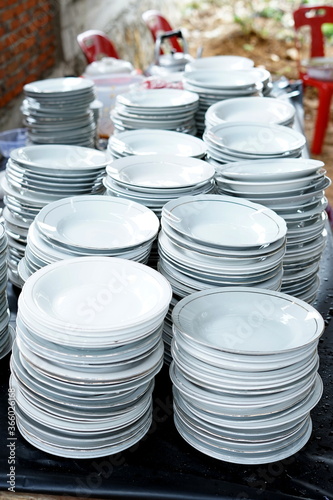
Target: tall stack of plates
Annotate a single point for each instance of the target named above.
(294, 189)
(245, 373)
(57, 111)
(38, 175)
(260, 109)
(5, 340)
(87, 350)
(213, 85)
(149, 141)
(88, 225)
(168, 109)
(217, 241)
(237, 141)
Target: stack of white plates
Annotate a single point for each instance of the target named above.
(57, 111)
(38, 175)
(245, 373)
(237, 141)
(258, 109)
(88, 225)
(294, 189)
(88, 347)
(5, 339)
(217, 241)
(214, 85)
(149, 141)
(222, 63)
(168, 109)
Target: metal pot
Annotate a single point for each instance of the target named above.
(172, 62)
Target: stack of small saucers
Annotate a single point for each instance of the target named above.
(168, 109)
(294, 189)
(237, 141)
(87, 350)
(57, 111)
(245, 373)
(149, 141)
(5, 340)
(213, 86)
(213, 241)
(258, 109)
(38, 175)
(88, 225)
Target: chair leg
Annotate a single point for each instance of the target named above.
(323, 113)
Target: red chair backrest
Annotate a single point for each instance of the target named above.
(158, 25)
(314, 17)
(95, 45)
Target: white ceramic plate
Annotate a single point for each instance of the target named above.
(217, 79)
(59, 86)
(220, 62)
(161, 98)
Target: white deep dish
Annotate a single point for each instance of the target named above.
(217, 79)
(67, 85)
(220, 62)
(160, 98)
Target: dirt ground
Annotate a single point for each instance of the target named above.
(276, 54)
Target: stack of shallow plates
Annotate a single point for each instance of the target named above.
(213, 86)
(245, 373)
(88, 348)
(38, 175)
(237, 141)
(221, 63)
(88, 225)
(148, 141)
(259, 109)
(294, 189)
(168, 109)
(5, 340)
(57, 111)
(213, 241)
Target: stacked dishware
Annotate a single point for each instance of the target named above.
(87, 348)
(295, 190)
(168, 109)
(215, 85)
(217, 241)
(261, 109)
(237, 141)
(88, 225)
(245, 373)
(38, 175)
(57, 111)
(5, 338)
(149, 141)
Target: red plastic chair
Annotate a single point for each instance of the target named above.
(95, 45)
(315, 17)
(158, 25)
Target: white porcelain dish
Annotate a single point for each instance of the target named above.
(161, 98)
(217, 79)
(221, 62)
(57, 86)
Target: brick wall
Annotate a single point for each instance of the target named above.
(27, 43)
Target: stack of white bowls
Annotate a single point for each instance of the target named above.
(294, 189)
(149, 141)
(258, 109)
(88, 225)
(237, 141)
(87, 350)
(57, 111)
(5, 339)
(38, 175)
(245, 373)
(217, 241)
(168, 109)
(215, 85)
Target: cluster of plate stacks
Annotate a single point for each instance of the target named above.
(89, 225)
(57, 111)
(87, 349)
(261, 109)
(214, 85)
(218, 241)
(294, 189)
(237, 141)
(169, 109)
(5, 338)
(149, 141)
(245, 373)
(38, 175)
